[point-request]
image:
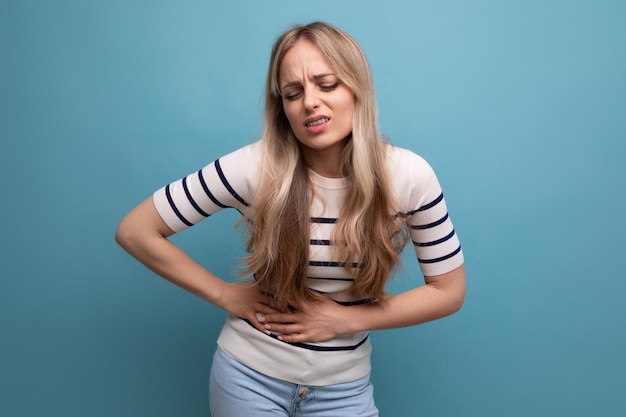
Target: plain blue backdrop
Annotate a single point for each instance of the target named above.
(520, 106)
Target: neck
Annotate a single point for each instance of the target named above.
(328, 166)
(325, 162)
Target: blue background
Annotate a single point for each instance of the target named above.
(519, 105)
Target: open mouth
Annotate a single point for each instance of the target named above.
(318, 122)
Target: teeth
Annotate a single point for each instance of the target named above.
(318, 121)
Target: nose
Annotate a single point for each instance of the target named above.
(311, 99)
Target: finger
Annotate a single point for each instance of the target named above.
(259, 325)
(294, 338)
(261, 321)
(284, 329)
(282, 318)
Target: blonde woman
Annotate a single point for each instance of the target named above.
(328, 206)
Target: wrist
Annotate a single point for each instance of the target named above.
(357, 317)
(217, 294)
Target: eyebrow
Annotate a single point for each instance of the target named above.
(316, 77)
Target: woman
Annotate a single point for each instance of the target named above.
(329, 206)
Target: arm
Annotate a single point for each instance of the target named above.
(441, 296)
(143, 234)
(438, 251)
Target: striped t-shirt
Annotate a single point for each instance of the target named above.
(231, 182)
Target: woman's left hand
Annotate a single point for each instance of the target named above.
(325, 319)
(313, 322)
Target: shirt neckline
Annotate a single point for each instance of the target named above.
(328, 183)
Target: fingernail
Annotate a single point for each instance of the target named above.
(268, 327)
(260, 317)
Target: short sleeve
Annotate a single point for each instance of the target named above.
(228, 182)
(424, 209)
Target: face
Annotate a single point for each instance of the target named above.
(317, 104)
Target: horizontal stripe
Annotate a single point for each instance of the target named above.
(326, 348)
(230, 189)
(191, 200)
(327, 263)
(429, 225)
(429, 205)
(435, 242)
(331, 264)
(326, 220)
(314, 347)
(348, 303)
(332, 279)
(170, 200)
(205, 187)
(320, 242)
(442, 258)
(356, 303)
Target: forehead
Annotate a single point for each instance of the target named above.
(303, 60)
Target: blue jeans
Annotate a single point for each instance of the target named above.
(238, 391)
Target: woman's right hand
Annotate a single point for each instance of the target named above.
(144, 235)
(245, 300)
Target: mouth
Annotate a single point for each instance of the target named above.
(317, 121)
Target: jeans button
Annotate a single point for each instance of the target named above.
(303, 391)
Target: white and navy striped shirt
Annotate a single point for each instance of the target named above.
(232, 180)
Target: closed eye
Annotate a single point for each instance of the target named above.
(329, 87)
(292, 96)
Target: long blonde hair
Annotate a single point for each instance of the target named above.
(366, 231)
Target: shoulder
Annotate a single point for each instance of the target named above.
(411, 178)
(244, 162)
(405, 164)
(241, 169)
(250, 154)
